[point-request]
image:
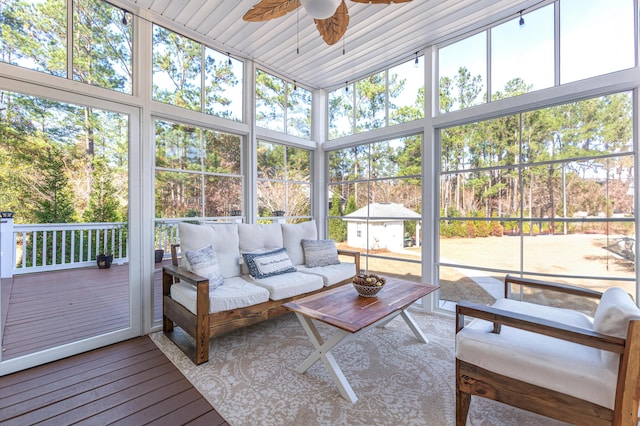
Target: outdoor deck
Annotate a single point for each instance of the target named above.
(47, 309)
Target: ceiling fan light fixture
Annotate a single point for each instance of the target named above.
(320, 9)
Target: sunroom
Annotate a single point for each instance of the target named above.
(509, 128)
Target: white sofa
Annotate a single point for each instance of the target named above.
(230, 297)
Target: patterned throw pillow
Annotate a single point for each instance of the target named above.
(320, 253)
(204, 262)
(268, 263)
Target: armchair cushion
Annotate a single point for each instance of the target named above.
(545, 361)
(614, 312)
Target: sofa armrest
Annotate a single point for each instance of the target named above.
(533, 324)
(352, 253)
(172, 274)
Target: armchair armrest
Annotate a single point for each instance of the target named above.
(543, 326)
(546, 285)
(352, 253)
(171, 274)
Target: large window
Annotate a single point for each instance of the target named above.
(198, 172)
(386, 98)
(34, 36)
(545, 193)
(376, 204)
(595, 38)
(284, 186)
(282, 106)
(179, 64)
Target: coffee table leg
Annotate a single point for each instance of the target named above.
(414, 327)
(322, 352)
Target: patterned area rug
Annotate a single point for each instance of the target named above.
(250, 377)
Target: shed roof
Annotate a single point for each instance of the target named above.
(381, 211)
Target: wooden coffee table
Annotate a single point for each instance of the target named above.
(351, 315)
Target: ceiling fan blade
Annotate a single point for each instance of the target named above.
(270, 9)
(381, 1)
(332, 29)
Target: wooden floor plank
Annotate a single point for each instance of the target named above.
(131, 382)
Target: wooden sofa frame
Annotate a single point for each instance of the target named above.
(472, 380)
(203, 325)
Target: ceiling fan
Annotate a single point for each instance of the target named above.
(331, 16)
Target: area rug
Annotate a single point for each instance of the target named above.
(250, 378)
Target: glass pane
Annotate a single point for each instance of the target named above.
(395, 268)
(349, 164)
(478, 145)
(176, 69)
(463, 284)
(482, 245)
(490, 193)
(299, 111)
(178, 146)
(271, 198)
(596, 37)
(34, 35)
(463, 73)
(406, 92)
(178, 194)
(223, 85)
(371, 102)
(341, 112)
(401, 196)
(522, 56)
(607, 250)
(222, 195)
(271, 160)
(593, 127)
(102, 40)
(222, 152)
(298, 199)
(298, 164)
(269, 101)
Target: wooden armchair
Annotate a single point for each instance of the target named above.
(556, 362)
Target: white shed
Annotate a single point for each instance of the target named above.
(378, 226)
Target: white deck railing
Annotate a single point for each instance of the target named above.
(28, 248)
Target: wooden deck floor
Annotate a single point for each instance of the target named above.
(48, 309)
(129, 383)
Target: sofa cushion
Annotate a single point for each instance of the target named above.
(268, 263)
(290, 284)
(255, 237)
(320, 253)
(204, 262)
(545, 361)
(331, 274)
(236, 292)
(293, 234)
(222, 237)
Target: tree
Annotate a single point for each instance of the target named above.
(55, 201)
(337, 226)
(103, 203)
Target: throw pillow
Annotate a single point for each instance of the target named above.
(268, 263)
(204, 262)
(320, 253)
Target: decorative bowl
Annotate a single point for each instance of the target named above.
(368, 285)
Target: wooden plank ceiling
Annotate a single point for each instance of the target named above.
(378, 35)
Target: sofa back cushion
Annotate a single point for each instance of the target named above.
(293, 234)
(255, 237)
(222, 237)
